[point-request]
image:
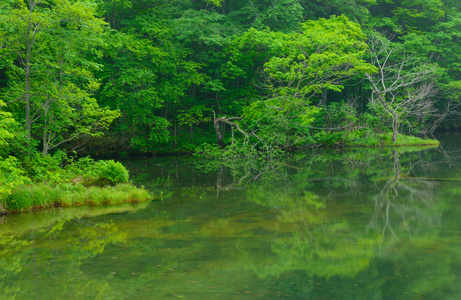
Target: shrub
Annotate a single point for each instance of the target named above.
(112, 171)
(46, 169)
(328, 138)
(11, 176)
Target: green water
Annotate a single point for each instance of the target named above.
(359, 224)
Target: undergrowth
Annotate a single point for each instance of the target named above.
(58, 180)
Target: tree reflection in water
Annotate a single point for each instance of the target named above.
(401, 202)
(45, 262)
(322, 243)
(338, 225)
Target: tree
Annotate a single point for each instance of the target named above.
(147, 76)
(402, 16)
(403, 86)
(51, 76)
(356, 10)
(11, 175)
(321, 56)
(5, 122)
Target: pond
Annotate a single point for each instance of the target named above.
(337, 224)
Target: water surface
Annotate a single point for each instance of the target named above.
(358, 224)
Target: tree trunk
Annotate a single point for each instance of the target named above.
(218, 133)
(175, 138)
(224, 5)
(324, 100)
(395, 127)
(27, 87)
(27, 68)
(232, 133)
(45, 150)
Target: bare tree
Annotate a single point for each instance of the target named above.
(402, 86)
(229, 121)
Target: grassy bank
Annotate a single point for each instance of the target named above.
(39, 196)
(385, 140)
(60, 181)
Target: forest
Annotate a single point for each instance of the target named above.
(116, 78)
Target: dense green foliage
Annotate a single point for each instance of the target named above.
(167, 76)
